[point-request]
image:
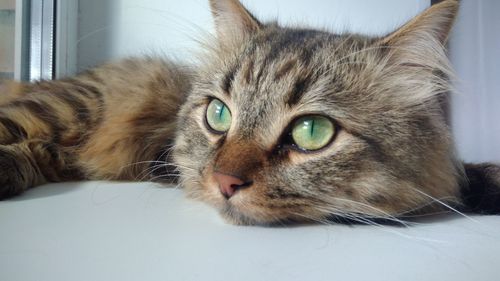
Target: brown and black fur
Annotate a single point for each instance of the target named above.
(102, 124)
(392, 154)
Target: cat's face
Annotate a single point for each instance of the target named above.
(299, 125)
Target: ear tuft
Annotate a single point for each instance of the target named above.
(434, 23)
(232, 19)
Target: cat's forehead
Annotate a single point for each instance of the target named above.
(289, 61)
(307, 45)
(283, 63)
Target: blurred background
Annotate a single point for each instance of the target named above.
(46, 39)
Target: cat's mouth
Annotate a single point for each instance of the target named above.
(247, 208)
(238, 209)
(243, 208)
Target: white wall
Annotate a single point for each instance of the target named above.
(115, 28)
(475, 53)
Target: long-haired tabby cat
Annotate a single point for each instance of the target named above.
(274, 124)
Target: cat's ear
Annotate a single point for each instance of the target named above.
(430, 29)
(233, 20)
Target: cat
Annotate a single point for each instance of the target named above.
(274, 125)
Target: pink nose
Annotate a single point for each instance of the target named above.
(228, 184)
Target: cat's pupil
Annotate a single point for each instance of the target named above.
(312, 127)
(221, 111)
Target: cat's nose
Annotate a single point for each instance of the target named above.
(229, 185)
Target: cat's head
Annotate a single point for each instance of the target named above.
(292, 124)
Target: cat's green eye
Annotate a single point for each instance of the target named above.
(218, 116)
(312, 132)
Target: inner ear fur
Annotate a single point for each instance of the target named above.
(233, 20)
(432, 25)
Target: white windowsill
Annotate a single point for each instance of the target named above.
(138, 231)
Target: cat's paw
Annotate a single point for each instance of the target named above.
(12, 180)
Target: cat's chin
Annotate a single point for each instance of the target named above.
(232, 214)
(235, 217)
(251, 215)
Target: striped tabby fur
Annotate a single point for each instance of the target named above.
(136, 119)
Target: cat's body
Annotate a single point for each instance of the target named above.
(381, 146)
(97, 125)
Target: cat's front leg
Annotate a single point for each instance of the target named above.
(16, 172)
(30, 163)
